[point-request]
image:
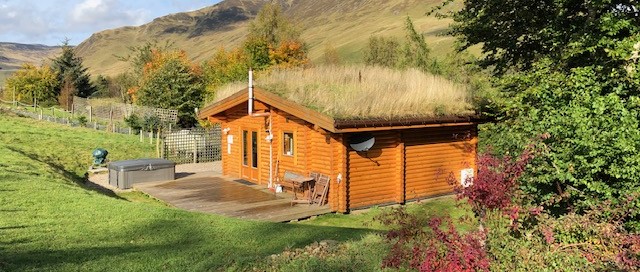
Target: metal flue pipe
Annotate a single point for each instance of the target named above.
(250, 91)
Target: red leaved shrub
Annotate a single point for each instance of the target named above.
(440, 247)
(495, 184)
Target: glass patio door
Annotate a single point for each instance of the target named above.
(250, 155)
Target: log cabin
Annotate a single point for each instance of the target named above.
(374, 156)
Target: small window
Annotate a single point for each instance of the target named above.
(288, 143)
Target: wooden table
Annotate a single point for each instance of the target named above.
(301, 182)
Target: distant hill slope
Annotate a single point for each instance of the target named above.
(346, 25)
(13, 55)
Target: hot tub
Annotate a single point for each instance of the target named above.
(123, 174)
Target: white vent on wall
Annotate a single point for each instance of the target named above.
(229, 142)
(466, 177)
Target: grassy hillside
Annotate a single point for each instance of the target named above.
(50, 222)
(345, 25)
(13, 55)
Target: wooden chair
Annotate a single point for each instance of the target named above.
(314, 175)
(297, 183)
(320, 190)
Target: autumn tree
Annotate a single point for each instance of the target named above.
(331, 55)
(140, 55)
(224, 67)
(69, 66)
(171, 81)
(33, 83)
(274, 40)
(288, 54)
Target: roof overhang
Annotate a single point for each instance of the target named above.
(274, 100)
(335, 125)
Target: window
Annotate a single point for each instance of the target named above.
(245, 152)
(254, 149)
(288, 143)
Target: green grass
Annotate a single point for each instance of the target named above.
(51, 111)
(442, 206)
(50, 222)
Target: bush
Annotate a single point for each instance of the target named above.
(134, 122)
(496, 183)
(593, 241)
(593, 144)
(515, 235)
(82, 120)
(440, 247)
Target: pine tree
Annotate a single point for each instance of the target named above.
(69, 66)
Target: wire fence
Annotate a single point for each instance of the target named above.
(192, 145)
(181, 146)
(93, 108)
(60, 116)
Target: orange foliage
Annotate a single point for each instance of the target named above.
(159, 58)
(132, 93)
(224, 67)
(288, 54)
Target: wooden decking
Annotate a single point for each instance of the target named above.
(226, 196)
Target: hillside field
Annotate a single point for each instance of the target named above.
(49, 221)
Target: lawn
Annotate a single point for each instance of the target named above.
(50, 221)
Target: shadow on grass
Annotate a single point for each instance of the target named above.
(196, 243)
(60, 169)
(13, 227)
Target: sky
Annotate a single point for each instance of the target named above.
(51, 22)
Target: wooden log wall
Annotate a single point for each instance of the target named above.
(338, 196)
(314, 152)
(403, 165)
(315, 149)
(283, 122)
(409, 164)
(434, 156)
(373, 175)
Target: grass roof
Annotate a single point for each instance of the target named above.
(364, 92)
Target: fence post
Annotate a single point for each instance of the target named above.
(195, 149)
(90, 114)
(40, 117)
(162, 148)
(111, 118)
(158, 143)
(95, 125)
(141, 135)
(151, 136)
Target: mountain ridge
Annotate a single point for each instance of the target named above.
(344, 25)
(13, 55)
